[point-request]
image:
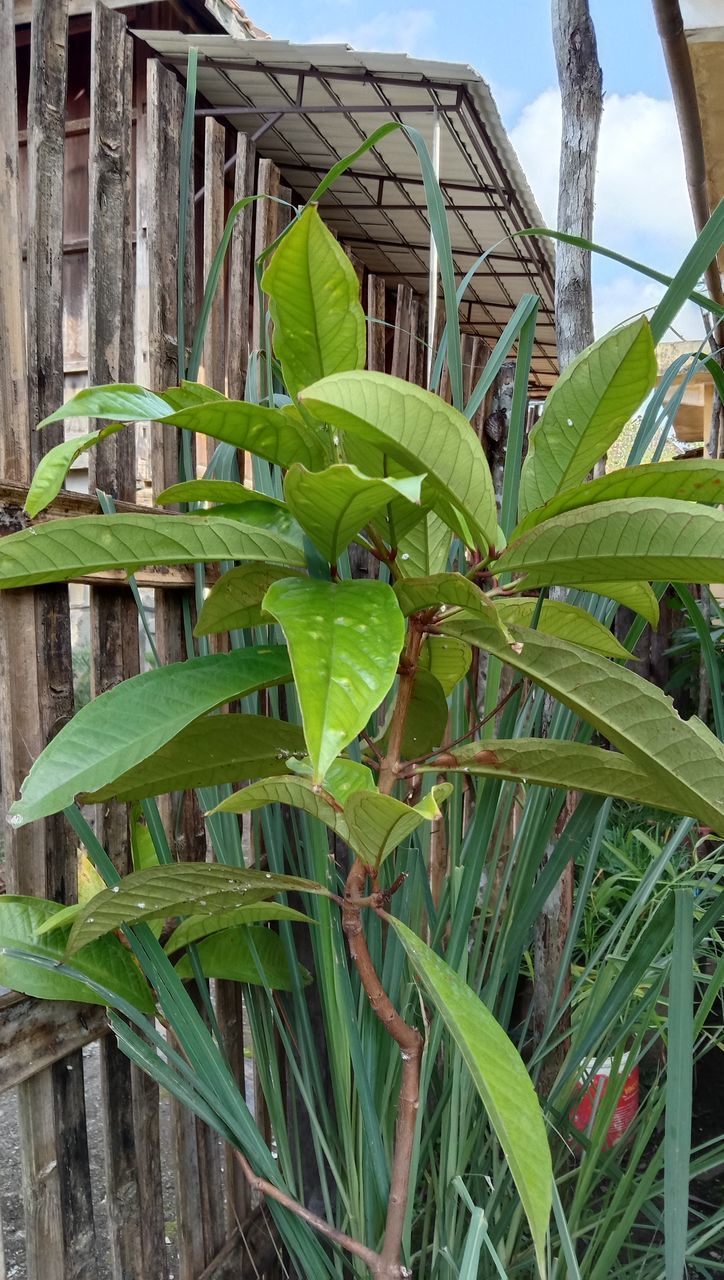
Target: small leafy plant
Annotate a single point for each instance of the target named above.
(372, 462)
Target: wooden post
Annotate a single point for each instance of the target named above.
(376, 334)
(214, 157)
(199, 1191)
(134, 1193)
(401, 336)
(266, 227)
(240, 275)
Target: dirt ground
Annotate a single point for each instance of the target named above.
(11, 1199)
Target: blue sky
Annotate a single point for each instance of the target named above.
(641, 203)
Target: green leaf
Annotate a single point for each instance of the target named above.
(378, 824)
(558, 618)
(446, 589)
(275, 434)
(426, 719)
(420, 431)
(552, 763)
(207, 753)
(332, 506)
(449, 658)
(500, 1078)
(342, 778)
(299, 792)
(319, 325)
(128, 723)
(188, 393)
(693, 480)
(235, 600)
(586, 410)
(180, 888)
(106, 962)
(226, 491)
(117, 401)
(635, 538)
(54, 466)
(637, 596)
(682, 755)
(143, 849)
(680, 1066)
(344, 644)
(69, 548)
(229, 955)
(423, 550)
(196, 927)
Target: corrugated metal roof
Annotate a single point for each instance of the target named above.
(309, 105)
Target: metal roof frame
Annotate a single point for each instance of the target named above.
(288, 97)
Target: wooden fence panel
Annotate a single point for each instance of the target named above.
(240, 275)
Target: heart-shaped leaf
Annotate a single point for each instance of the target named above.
(448, 658)
(586, 410)
(344, 644)
(130, 722)
(332, 506)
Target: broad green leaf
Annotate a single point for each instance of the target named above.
(645, 539)
(234, 602)
(586, 410)
(207, 753)
(448, 658)
(500, 1077)
(418, 430)
(226, 491)
(344, 644)
(89, 884)
(229, 955)
(258, 514)
(552, 763)
(143, 849)
(378, 824)
(441, 589)
(319, 324)
(106, 961)
(637, 596)
(190, 393)
(332, 506)
(196, 927)
(342, 777)
(635, 716)
(180, 888)
(74, 547)
(426, 719)
(127, 724)
(692, 480)
(54, 466)
(275, 434)
(423, 551)
(558, 618)
(117, 401)
(299, 792)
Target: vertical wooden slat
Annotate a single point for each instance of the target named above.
(39, 695)
(266, 222)
(133, 1185)
(417, 368)
(214, 157)
(376, 298)
(199, 1190)
(240, 274)
(401, 338)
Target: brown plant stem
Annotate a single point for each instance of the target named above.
(376, 1263)
(407, 1038)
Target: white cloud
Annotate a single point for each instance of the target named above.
(642, 206)
(390, 31)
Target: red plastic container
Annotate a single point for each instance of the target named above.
(585, 1110)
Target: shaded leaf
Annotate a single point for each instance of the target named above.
(341, 779)
(298, 792)
(448, 658)
(226, 491)
(130, 722)
(196, 927)
(229, 955)
(319, 325)
(234, 602)
(420, 431)
(332, 506)
(447, 589)
(637, 596)
(426, 719)
(54, 466)
(106, 961)
(500, 1078)
(378, 824)
(73, 547)
(344, 643)
(649, 539)
(116, 401)
(586, 410)
(180, 888)
(557, 618)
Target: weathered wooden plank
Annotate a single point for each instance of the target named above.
(266, 224)
(134, 1203)
(36, 1033)
(214, 159)
(240, 274)
(417, 367)
(401, 336)
(376, 332)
